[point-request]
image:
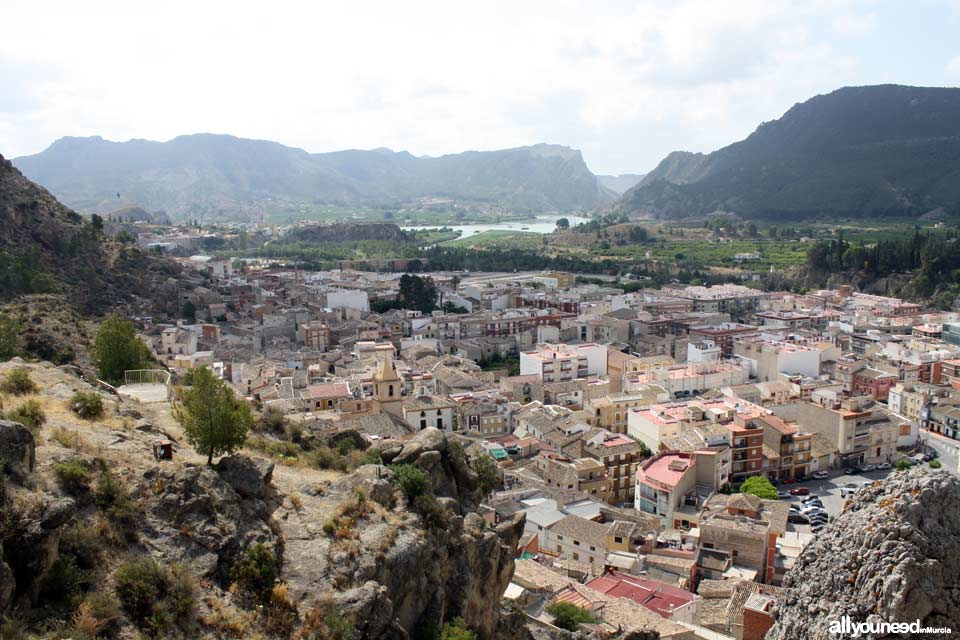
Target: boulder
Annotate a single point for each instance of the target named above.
(17, 449)
(249, 477)
(193, 515)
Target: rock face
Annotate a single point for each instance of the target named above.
(450, 475)
(17, 449)
(890, 556)
(193, 515)
(396, 569)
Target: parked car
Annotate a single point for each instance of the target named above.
(821, 475)
(818, 528)
(797, 518)
(810, 498)
(790, 481)
(884, 466)
(818, 518)
(868, 467)
(814, 505)
(783, 495)
(849, 471)
(800, 491)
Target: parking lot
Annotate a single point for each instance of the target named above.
(828, 491)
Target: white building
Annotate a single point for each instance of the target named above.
(561, 363)
(348, 299)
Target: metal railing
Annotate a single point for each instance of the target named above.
(147, 376)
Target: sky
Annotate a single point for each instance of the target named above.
(624, 82)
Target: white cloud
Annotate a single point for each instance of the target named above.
(431, 77)
(953, 67)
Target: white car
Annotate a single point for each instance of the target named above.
(821, 475)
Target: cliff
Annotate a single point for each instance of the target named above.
(890, 556)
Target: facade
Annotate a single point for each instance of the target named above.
(562, 363)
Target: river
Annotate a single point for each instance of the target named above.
(540, 224)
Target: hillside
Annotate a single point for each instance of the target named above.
(47, 248)
(856, 152)
(224, 176)
(102, 541)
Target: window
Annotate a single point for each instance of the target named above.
(592, 548)
(559, 537)
(439, 423)
(576, 556)
(576, 543)
(618, 540)
(390, 390)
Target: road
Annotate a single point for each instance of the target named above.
(948, 450)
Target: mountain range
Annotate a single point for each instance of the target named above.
(883, 150)
(208, 174)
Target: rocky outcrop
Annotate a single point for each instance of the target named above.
(17, 449)
(394, 568)
(890, 556)
(249, 477)
(30, 545)
(450, 475)
(193, 515)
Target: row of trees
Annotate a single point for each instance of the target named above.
(935, 257)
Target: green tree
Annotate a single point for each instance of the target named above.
(903, 465)
(934, 464)
(189, 311)
(117, 349)
(569, 616)
(759, 486)
(563, 224)
(97, 222)
(215, 420)
(486, 470)
(457, 629)
(418, 293)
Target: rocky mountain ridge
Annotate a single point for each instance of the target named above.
(209, 175)
(884, 150)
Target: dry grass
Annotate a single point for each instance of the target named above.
(86, 622)
(296, 500)
(227, 622)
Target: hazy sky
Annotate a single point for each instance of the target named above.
(626, 82)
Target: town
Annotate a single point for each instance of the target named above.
(673, 450)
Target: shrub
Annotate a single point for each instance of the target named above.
(111, 496)
(280, 614)
(759, 486)
(934, 464)
(64, 583)
(87, 405)
(569, 616)
(18, 382)
(155, 597)
(412, 481)
(256, 573)
(903, 465)
(457, 629)
(272, 421)
(29, 414)
(434, 516)
(68, 438)
(337, 627)
(73, 476)
(83, 542)
(94, 615)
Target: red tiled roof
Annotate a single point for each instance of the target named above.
(660, 598)
(329, 390)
